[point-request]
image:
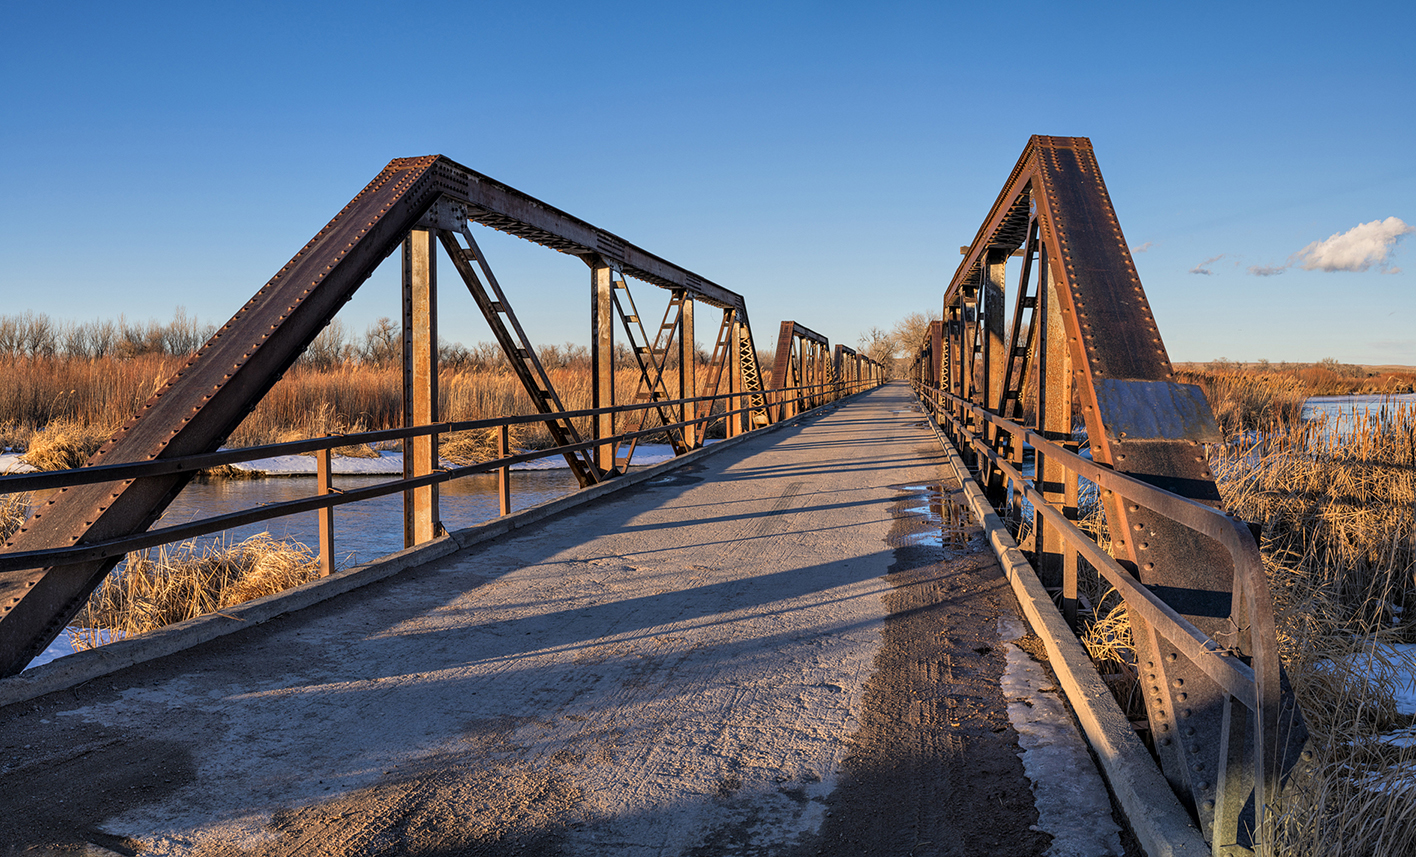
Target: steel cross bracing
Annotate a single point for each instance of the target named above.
(413, 203)
(651, 358)
(512, 337)
(1082, 330)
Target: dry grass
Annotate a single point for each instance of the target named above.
(171, 584)
(1252, 401)
(40, 393)
(1338, 507)
(35, 391)
(475, 447)
(1338, 510)
(64, 444)
(14, 509)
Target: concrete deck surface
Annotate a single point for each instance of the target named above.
(774, 651)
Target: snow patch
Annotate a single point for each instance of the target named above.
(10, 462)
(1072, 804)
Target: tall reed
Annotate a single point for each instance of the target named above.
(1337, 505)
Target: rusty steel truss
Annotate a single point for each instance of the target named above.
(803, 358)
(414, 205)
(1080, 349)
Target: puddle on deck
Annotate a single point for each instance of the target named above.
(932, 515)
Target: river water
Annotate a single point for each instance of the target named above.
(1340, 411)
(368, 529)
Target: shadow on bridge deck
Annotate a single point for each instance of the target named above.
(766, 652)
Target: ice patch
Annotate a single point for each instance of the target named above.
(392, 462)
(61, 647)
(1072, 804)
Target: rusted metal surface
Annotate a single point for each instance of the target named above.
(800, 360)
(208, 397)
(206, 400)
(1081, 323)
(420, 382)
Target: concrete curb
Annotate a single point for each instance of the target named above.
(75, 669)
(1160, 823)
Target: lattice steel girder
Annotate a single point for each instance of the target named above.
(1143, 423)
(217, 387)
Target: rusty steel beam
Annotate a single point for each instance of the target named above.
(1095, 333)
(491, 203)
(199, 407)
(204, 402)
(796, 363)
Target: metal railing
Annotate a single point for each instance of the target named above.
(1255, 685)
(327, 497)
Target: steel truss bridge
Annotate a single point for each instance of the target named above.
(1079, 348)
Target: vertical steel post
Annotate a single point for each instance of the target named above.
(968, 330)
(326, 514)
(735, 383)
(420, 382)
(602, 362)
(1054, 416)
(504, 472)
(991, 304)
(688, 371)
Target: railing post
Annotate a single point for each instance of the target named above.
(420, 383)
(326, 515)
(504, 472)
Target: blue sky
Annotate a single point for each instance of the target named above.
(824, 159)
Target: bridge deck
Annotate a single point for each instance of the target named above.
(767, 652)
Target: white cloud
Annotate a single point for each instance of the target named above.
(1203, 267)
(1357, 249)
(1143, 248)
(1267, 270)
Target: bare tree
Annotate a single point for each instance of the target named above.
(383, 343)
(910, 331)
(330, 347)
(880, 346)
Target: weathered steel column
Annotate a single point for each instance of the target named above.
(995, 356)
(602, 362)
(326, 515)
(968, 332)
(735, 383)
(1054, 422)
(935, 371)
(420, 382)
(688, 371)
